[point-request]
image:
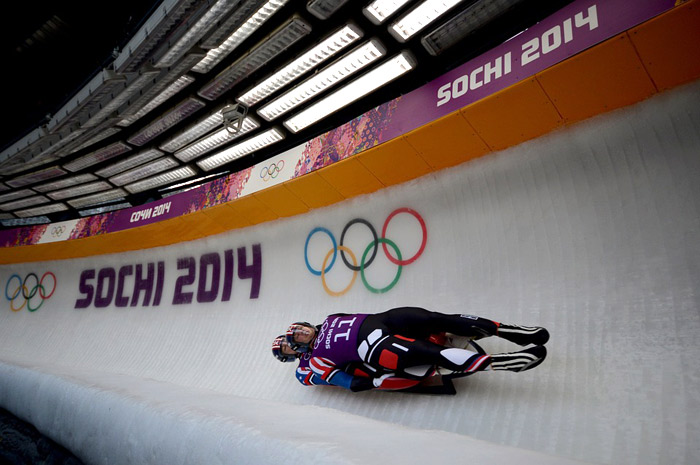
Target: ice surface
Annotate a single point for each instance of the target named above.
(592, 231)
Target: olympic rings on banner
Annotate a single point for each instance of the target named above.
(57, 231)
(28, 293)
(271, 172)
(367, 258)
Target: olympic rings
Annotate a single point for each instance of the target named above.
(272, 171)
(306, 250)
(384, 241)
(354, 273)
(27, 294)
(57, 231)
(365, 262)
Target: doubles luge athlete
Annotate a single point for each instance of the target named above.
(402, 349)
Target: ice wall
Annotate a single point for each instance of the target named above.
(592, 231)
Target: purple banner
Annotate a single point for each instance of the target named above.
(567, 32)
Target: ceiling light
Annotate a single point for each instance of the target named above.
(154, 98)
(130, 162)
(348, 65)
(194, 32)
(241, 149)
(212, 141)
(99, 136)
(105, 209)
(95, 199)
(80, 190)
(27, 202)
(25, 163)
(26, 143)
(98, 156)
(418, 18)
(161, 179)
(153, 32)
(25, 221)
(182, 111)
(144, 171)
(195, 131)
(379, 10)
(90, 96)
(67, 182)
(324, 9)
(144, 76)
(313, 57)
(253, 23)
(364, 85)
(43, 210)
(278, 42)
(36, 176)
(192, 183)
(470, 19)
(14, 195)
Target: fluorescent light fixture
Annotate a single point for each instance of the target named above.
(154, 98)
(364, 85)
(380, 10)
(99, 136)
(63, 183)
(418, 18)
(470, 19)
(23, 203)
(253, 23)
(182, 111)
(241, 149)
(278, 42)
(152, 33)
(214, 140)
(27, 144)
(143, 171)
(106, 82)
(43, 210)
(83, 189)
(105, 209)
(25, 221)
(36, 176)
(309, 59)
(192, 33)
(14, 195)
(346, 66)
(130, 162)
(161, 179)
(98, 156)
(66, 145)
(201, 127)
(324, 9)
(96, 199)
(25, 163)
(190, 183)
(144, 76)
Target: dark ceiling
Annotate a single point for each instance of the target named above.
(53, 49)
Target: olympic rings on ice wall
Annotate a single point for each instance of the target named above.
(368, 255)
(29, 290)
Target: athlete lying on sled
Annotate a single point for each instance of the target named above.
(406, 348)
